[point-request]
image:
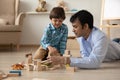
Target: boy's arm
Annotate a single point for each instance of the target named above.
(45, 39)
(63, 41)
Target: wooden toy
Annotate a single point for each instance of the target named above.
(41, 6)
(13, 75)
(47, 65)
(71, 69)
(17, 66)
(0, 76)
(30, 67)
(16, 71)
(29, 58)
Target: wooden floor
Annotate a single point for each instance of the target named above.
(108, 71)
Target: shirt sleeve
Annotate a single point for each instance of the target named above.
(45, 38)
(63, 41)
(96, 56)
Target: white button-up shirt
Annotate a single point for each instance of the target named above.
(96, 49)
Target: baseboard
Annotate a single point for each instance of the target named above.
(29, 45)
(21, 45)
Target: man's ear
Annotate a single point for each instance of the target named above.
(86, 26)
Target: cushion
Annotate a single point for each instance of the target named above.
(3, 22)
(10, 28)
(7, 10)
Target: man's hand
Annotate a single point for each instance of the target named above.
(56, 59)
(59, 60)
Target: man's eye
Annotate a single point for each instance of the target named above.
(55, 20)
(75, 26)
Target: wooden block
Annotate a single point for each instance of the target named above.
(55, 67)
(42, 68)
(67, 53)
(0, 76)
(71, 69)
(29, 58)
(35, 61)
(13, 75)
(16, 71)
(30, 67)
(3, 76)
(39, 66)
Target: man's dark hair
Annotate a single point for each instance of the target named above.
(84, 17)
(57, 12)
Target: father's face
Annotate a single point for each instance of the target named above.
(77, 28)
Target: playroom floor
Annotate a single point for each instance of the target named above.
(108, 71)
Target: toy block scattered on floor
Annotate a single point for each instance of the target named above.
(67, 53)
(37, 64)
(43, 68)
(71, 69)
(13, 75)
(0, 76)
(55, 67)
(29, 58)
(17, 66)
(16, 71)
(30, 67)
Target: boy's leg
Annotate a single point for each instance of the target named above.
(55, 54)
(41, 53)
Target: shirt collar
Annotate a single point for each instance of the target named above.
(52, 27)
(90, 36)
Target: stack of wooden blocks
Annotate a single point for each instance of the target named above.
(67, 66)
(38, 65)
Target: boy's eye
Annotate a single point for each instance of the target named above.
(60, 20)
(57, 20)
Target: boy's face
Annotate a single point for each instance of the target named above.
(57, 22)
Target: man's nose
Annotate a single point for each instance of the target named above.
(73, 30)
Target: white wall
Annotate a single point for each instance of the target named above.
(34, 24)
(112, 9)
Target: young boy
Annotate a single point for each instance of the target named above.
(53, 42)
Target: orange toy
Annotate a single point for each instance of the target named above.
(17, 67)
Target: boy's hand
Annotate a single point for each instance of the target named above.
(52, 50)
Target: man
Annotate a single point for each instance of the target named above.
(95, 47)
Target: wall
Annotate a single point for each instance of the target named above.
(112, 9)
(33, 26)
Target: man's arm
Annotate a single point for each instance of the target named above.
(96, 56)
